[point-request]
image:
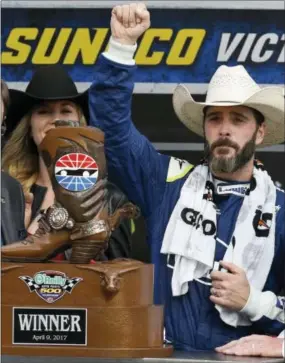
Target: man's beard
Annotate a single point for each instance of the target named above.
(224, 164)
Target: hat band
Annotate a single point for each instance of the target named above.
(217, 101)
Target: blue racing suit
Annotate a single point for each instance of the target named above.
(153, 181)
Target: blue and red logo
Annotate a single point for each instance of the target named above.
(76, 172)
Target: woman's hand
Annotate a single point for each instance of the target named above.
(29, 198)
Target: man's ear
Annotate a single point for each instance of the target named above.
(261, 131)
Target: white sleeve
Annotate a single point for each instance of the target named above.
(121, 53)
(266, 304)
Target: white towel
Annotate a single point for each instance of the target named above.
(189, 235)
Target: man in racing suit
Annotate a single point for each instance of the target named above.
(154, 182)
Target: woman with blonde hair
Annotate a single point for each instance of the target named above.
(50, 96)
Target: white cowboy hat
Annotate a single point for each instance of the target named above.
(233, 86)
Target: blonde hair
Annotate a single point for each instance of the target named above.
(20, 156)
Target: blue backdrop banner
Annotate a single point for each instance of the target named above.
(182, 45)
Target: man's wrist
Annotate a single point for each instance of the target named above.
(120, 53)
(251, 306)
(123, 41)
(260, 304)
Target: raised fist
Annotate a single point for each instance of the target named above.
(129, 22)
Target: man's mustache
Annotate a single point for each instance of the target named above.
(224, 142)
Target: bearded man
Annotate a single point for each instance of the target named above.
(216, 230)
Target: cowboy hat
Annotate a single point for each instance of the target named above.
(47, 83)
(233, 86)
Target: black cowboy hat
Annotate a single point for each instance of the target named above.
(47, 83)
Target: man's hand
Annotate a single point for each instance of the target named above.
(129, 22)
(230, 289)
(254, 345)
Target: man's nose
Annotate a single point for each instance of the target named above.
(225, 128)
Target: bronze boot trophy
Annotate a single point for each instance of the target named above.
(76, 163)
(83, 216)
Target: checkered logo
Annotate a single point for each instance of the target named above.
(50, 285)
(70, 283)
(30, 282)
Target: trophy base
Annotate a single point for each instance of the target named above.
(159, 352)
(65, 310)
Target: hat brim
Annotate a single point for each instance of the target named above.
(269, 101)
(21, 103)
